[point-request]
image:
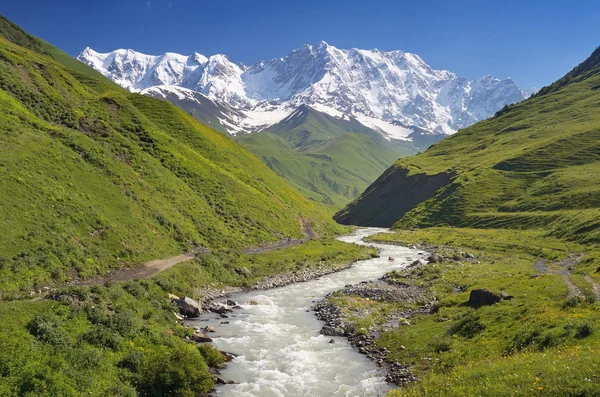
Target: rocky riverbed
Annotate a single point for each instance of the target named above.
(382, 290)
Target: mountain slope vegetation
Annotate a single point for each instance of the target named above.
(94, 178)
(509, 207)
(327, 159)
(533, 165)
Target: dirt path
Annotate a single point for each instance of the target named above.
(563, 268)
(145, 270)
(149, 269)
(309, 234)
(595, 286)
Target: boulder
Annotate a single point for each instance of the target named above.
(328, 330)
(483, 297)
(227, 356)
(208, 328)
(188, 307)
(416, 263)
(391, 259)
(253, 302)
(201, 338)
(220, 309)
(434, 259)
(231, 303)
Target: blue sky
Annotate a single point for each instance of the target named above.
(532, 41)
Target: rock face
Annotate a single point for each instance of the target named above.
(188, 307)
(483, 297)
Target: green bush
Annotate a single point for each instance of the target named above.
(467, 326)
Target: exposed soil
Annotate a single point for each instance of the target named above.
(563, 268)
(309, 234)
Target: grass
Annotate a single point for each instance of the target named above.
(124, 339)
(525, 343)
(224, 267)
(535, 165)
(121, 340)
(328, 160)
(93, 178)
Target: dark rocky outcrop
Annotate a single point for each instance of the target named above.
(483, 297)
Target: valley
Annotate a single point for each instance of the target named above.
(334, 222)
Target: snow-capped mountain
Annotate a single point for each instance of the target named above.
(387, 91)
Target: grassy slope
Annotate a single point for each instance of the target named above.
(533, 165)
(328, 160)
(523, 186)
(540, 343)
(124, 340)
(93, 177)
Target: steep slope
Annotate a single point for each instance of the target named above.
(330, 160)
(94, 178)
(534, 165)
(392, 86)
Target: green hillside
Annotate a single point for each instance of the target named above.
(534, 165)
(94, 178)
(327, 159)
(510, 206)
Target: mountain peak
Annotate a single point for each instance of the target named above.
(387, 86)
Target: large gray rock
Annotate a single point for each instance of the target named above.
(201, 338)
(328, 330)
(188, 307)
(483, 297)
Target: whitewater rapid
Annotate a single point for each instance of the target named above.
(277, 342)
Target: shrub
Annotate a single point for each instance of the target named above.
(583, 330)
(48, 328)
(572, 302)
(212, 356)
(467, 326)
(441, 345)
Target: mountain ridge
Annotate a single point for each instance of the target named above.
(388, 86)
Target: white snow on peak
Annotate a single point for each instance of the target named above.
(380, 89)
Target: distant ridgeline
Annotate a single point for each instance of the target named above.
(535, 164)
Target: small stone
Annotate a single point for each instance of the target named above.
(231, 303)
(506, 296)
(331, 341)
(254, 303)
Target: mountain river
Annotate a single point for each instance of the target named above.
(277, 342)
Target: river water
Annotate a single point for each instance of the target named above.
(277, 342)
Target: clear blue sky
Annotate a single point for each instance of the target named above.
(532, 41)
